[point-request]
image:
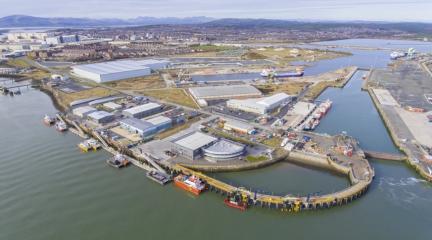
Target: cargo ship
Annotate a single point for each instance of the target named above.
(236, 201)
(48, 120)
(88, 145)
(272, 73)
(191, 184)
(61, 126)
(118, 161)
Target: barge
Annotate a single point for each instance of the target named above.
(118, 161)
(159, 177)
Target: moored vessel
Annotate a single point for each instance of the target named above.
(48, 120)
(88, 145)
(159, 177)
(191, 184)
(61, 126)
(236, 201)
(118, 161)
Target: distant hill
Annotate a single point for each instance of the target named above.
(411, 27)
(30, 21)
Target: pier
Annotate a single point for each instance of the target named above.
(385, 156)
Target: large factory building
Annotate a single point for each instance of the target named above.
(118, 70)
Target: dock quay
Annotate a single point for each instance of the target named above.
(6, 87)
(385, 156)
(360, 177)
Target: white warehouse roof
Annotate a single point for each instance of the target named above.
(225, 91)
(274, 99)
(99, 115)
(195, 140)
(111, 67)
(158, 120)
(142, 108)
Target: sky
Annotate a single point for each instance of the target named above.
(379, 10)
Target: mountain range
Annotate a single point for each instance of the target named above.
(30, 21)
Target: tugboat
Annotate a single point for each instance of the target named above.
(191, 184)
(48, 120)
(236, 201)
(88, 145)
(159, 177)
(118, 161)
(61, 126)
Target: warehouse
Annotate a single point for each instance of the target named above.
(111, 71)
(142, 111)
(101, 117)
(224, 150)
(224, 92)
(237, 126)
(160, 122)
(154, 64)
(136, 126)
(82, 112)
(190, 145)
(260, 105)
(112, 106)
(118, 70)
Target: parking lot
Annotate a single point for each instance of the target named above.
(409, 84)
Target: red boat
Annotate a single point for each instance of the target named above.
(231, 202)
(191, 184)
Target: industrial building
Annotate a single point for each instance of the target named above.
(224, 92)
(146, 128)
(154, 64)
(260, 105)
(160, 122)
(112, 106)
(196, 145)
(101, 117)
(82, 112)
(224, 150)
(118, 70)
(190, 145)
(237, 126)
(142, 111)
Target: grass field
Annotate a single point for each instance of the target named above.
(251, 158)
(273, 142)
(140, 83)
(292, 88)
(67, 98)
(316, 89)
(38, 74)
(173, 95)
(286, 55)
(18, 63)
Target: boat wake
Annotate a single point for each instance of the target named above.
(405, 192)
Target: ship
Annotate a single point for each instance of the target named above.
(118, 161)
(236, 201)
(48, 120)
(272, 73)
(396, 55)
(159, 177)
(191, 184)
(88, 145)
(61, 126)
